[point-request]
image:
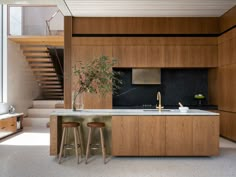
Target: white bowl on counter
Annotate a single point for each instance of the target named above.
(183, 109)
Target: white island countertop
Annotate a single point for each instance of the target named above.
(131, 112)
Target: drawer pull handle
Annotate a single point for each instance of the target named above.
(3, 127)
(12, 125)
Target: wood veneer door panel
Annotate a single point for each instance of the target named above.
(179, 136)
(85, 54)
(228, 125)
(130, 56)
(227, 84)
(151, 135)
(156, 56)
(191, 56)
(125, 136)
(205, 135)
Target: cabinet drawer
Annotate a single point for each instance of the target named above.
(7, 126)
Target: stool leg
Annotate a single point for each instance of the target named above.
(65, 141)
(88, 145)
(62, 144)
(80, 141)
(102, 144)
(76, 145)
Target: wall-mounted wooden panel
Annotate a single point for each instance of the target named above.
(85, 54)
(213, 86)
(228, 20)
(67, 61)
(145, 25)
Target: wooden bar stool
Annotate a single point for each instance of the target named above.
(75, 126)
(99, 125)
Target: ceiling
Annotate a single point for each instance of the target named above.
(136, 8)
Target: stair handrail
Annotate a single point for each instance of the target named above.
(48, 21)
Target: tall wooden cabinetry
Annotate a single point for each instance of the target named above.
(227, 84)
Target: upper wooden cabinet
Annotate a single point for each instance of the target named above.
(130, 56)
(191, 56)
(160, 56)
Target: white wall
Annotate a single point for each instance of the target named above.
(34, 20)
(22, 88)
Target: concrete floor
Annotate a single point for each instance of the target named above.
(27, 155)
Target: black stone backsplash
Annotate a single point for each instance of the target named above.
(176, 85)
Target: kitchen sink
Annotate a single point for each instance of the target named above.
(163, 110)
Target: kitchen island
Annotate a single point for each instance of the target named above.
(147, 132)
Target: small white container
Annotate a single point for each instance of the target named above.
(183, 109)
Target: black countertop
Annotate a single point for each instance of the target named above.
(202, 107)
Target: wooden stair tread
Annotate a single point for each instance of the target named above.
(41, 64)
(50, 86)
(50, 82)
(45, 74)
(43, 69)
(31, 54)
(39, 60)
(34, 48)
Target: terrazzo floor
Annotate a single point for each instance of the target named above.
(27, 155)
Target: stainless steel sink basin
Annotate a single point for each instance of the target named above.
(163, 110)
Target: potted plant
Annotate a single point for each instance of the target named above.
(95, 76)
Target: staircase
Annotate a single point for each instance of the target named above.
(39, 114)
(44, 63)
(44, 70)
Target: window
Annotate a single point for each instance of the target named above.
(1, 53)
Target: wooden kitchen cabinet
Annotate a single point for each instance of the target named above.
(125, 136)
(228, 125)
(155, 56)
(179, 135)
(130, 56)
(7, 126)
(191, 56)
(151, 135)
(138, 135)
(205, 135)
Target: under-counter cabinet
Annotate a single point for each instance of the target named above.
(151, 135)
(179, 135)
(165, 135)
(138, 135)
(125, 136)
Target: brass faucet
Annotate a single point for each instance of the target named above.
(159, 107)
